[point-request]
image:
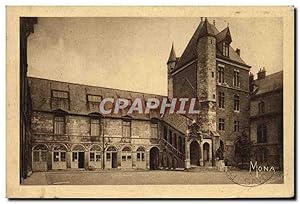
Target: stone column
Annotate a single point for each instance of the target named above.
(160, 159)
(147, 159)
(68, 159)
(187, 160)
(210, 155)
(201, 154)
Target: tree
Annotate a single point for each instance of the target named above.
(242, 149)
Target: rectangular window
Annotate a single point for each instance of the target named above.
(62, 156)
(36, 156)
(143, 156)
(44, 156)
(236, 102)
(225, 49)
(221, 100)
(92, 156)
(93, 102)
(138, 156)
(56, 156)
(107, 156)
(126, 128)
(95, 127)
(94, 98)
(59, 125)
(153, 130)
(221, 124)
(98, 157)
(74, 156)
(123, 158)
(129, 157)
(221, 74)
(60, 100)
(236, 126)
(60, 94)
(236, 78)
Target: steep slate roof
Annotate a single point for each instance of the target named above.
(190, 51)
(270, 83)
(41, 98)
(223, 34)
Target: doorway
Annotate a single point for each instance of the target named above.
(195, 153)
(114, 160)
(80, 160)
(154, 158)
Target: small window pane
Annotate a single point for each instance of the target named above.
(123, 158)
(44, 156)
(98, 157)
(36, 156)
(63, 156)
(55, 156)
(92, 156)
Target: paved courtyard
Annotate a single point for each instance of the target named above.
(138, 177)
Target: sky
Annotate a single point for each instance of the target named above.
(131, 53)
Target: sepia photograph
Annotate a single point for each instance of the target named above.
(153, 100)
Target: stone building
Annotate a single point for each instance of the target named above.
(213, 72)
(266, 118)
(69, 132)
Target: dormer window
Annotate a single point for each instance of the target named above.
(225, 49)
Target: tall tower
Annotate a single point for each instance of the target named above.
(171, 66)
(206, 77)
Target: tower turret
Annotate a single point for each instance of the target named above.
(171, 66)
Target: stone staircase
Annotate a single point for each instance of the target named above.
(175, 157)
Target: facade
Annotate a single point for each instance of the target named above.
(213, 72)
(266, 118)
(68, 132)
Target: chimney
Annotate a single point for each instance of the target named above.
(201, 19)
(261, 74)
(214, 22)
(238, 51)
(251, 84)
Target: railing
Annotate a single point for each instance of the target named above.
(173, 149)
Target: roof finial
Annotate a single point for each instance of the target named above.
(172, 57)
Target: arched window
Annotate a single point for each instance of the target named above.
(126, 154)
(261, 133)
(39, 153)
(95, 153)
(261, 107)
(140, 154)
(59, 153)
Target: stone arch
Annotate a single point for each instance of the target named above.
(95, 148)
(43, 147)
(140, 149)
(61, 147)
(126, 149)
(111, 148)
(194, 152)
(78, 147)
(154, 158)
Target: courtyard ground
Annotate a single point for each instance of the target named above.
(121, 177)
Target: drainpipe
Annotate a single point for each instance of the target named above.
(103, 146)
